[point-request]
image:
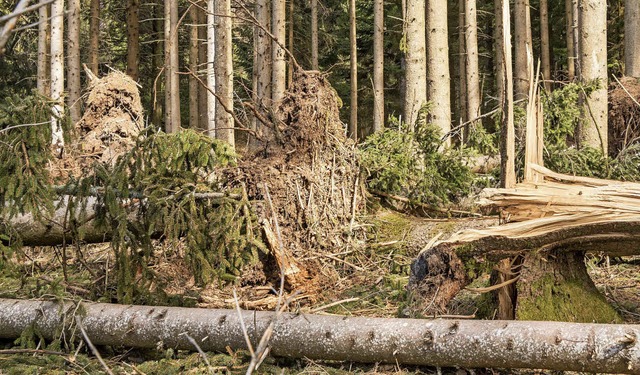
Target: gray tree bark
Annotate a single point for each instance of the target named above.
(314, 35)
(593, 66)
(94, 36)
(194, 86)
(133, 39)
(279, 64)
(73, 61)
(224, 72)
(571, 51)
(262, 66)
(57, 74)
(44, 67)
(545, 47)
(353, 64)
(378, 65)
(632, 38)
(504, 344)
(172, 85)
(523, 42)
(471, 62)
(416, 61)
(438, 77)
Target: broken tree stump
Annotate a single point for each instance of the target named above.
(550, 218)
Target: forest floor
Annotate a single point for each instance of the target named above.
(369, 280)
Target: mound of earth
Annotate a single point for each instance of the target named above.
(624, 114)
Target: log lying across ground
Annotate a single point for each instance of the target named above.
(469, 344)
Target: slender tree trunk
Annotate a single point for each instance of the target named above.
(262, 64)
(172, 87)
(57, 74)
(353, 123)
(378, 65)
(211, 73)
(279, 65)
(202, 65)
(44, 66)
(462, 71)
(416, 61)
(507, 139)
(224, 72)
(290, 45)
(545, 48)
(314, 35)
(94, 36)
(593, 61)
(471, 62)
(133, 38)
(522, 43)
(73, 61)
(498, 43)
(571, 52)
(158, 63)
(606, 348)
(576, 36)
(438, 77)
(194, 89)
(632, 38)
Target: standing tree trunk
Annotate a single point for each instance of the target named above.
(523, 42)
(262, 64)
(158, 63)
(471, 63)
(290, 45)
(172, 86)
(194, 87)
(507, 128)
(632, 38)
(353, 123)
(224, 72)
(133, 39)
(94, 36)
(57, 74)
(202, 64)
(498, 47)
(416, 61)
(378, 65)
(73, 61)
(211, 73)
(462, 71)
(438, 78)
(279, 65)
(314, 35)
(593, 64)
(571, 51)
(545, 48)
(44, 66)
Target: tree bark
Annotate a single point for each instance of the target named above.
(314, 35)
(211, 72)
(378, 65)
(262, 66)
(290, 25)
(503, 344)
(507, 127)
(133, 39)
(279, 65)
(73, 61)
(194, 86)
(94, 36)
(471, 63)
(571, 52)
(57, 74)
(545, 48)
(44, 65)
(224, 72)
(416, 61)
(438, 77)
(631, 38)
(158, 63)
(462, 70)
(353, 63)
(172, 78)
(202, 65)
(523, 42)
(593, 64)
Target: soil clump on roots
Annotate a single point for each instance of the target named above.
(624, 114)
(305, 181)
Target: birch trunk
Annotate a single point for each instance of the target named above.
(632, 38)
(443, 343)
(438, 78)
(378, 65)
(224, 72)
(593, 64)
(57, 74)
(73, 61)
(416, 61)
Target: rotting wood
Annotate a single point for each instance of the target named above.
(604, 348)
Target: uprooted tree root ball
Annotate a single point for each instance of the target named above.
(624, 114)
(305, 180)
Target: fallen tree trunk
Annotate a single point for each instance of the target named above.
(500, 344)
